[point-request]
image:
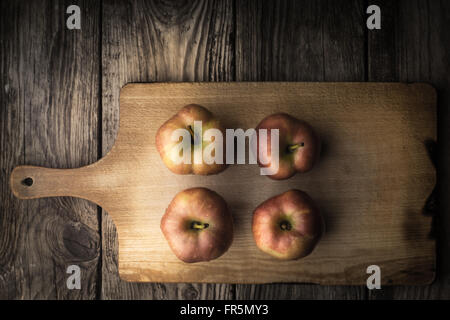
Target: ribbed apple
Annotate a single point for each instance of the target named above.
(197, 225)
(287, 226)
(299, 145)
(169, 150)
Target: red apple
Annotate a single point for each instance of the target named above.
(287, 226)
(198, 225)
(299, 145)
(184, 119)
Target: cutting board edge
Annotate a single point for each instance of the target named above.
(428, 87)
(425, 282)
(425, 278)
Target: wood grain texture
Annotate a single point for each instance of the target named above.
(411, 46)
(146, 41)
(49, 89)
(12, 135)
(300, 41)
(371, 184)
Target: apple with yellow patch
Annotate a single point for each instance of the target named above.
(200, 142)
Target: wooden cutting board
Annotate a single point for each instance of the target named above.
(371, 184)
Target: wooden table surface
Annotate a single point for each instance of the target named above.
(59, 107)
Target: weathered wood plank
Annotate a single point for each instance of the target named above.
(49, 104)
(382, 60)
(146, 41)
(413, 45)
(300, 41)
(12, 132)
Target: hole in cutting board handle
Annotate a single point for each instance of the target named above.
(27, 182)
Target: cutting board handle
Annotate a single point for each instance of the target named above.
(30, 182)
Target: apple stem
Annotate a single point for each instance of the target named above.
(192, 133)
(198, 225)
(190, 130)
(294, 147)
(285, 225)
